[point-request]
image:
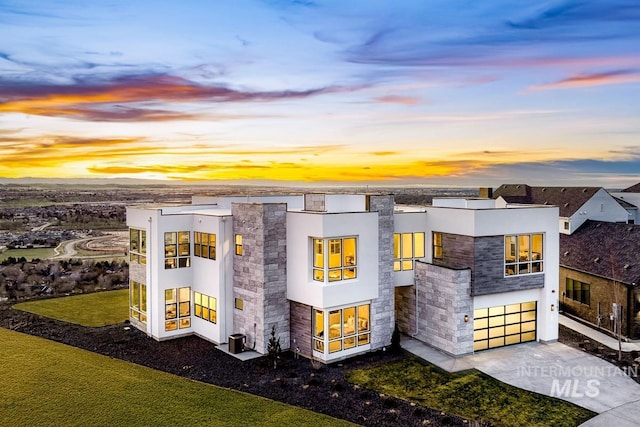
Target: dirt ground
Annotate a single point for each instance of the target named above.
(300, 382)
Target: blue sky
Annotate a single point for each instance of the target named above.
(413, 92)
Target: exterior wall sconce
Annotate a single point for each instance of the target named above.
(466, 318)
(553, 307)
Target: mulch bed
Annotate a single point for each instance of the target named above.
(300, 382)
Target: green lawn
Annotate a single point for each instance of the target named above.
(45, 383)
(29, 254)
(95, 309)
(470, 394)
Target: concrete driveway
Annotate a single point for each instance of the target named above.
(554, 370)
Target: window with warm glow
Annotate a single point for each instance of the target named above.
(138, 301)
(347, 328)
(239, 245)
(137, 246)
(177, 308)
(238, 304)
(205, 307)
(407, 247)
(335, 259)
(437, 245)
(204, 245)
(523, 254)
(177, 249)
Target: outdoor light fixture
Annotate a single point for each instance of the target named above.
(466, 318)
(553, 307)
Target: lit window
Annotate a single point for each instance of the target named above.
(137, 246)
(335, 259)
(523, 254)
(437, 245)
(407, 247)
(177, 250)
(177, 308)
(347, 328)
(578, 291)
(239, 246)
(138, 301)
(238, 304)
(204, 245)
(205, 307)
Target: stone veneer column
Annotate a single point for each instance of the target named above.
(444, 298)
(382, 308)
(259, 275)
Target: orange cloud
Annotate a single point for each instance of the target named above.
(595, 79)
(395, 99)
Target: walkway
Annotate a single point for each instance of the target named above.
(596, 335)
(552, 369)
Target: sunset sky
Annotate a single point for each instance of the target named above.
(461, 93)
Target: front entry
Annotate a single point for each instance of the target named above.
(504, 325)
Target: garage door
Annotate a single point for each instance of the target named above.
(504, 325)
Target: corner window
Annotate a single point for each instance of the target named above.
(204, 245)
(177, 249)
(578, 291)
(335, 259)
(239, 245)
(346, 328)
(137, 246)
(138, 301)
(177, 308)
(205, 307)
(407, 247)
(523, 254)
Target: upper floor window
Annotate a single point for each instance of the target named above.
(176, 249)
(523, 254)
(578, 291)
(406, 248)
(437, 245)
(204, 245)
(239, 245)
(138, 246)
(335, 259)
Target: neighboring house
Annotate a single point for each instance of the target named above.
(333, 273)
(576, 204)
(599, 267)
(631, 196)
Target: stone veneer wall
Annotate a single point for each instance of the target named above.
(138, 273)
(382, 308)
(259, 275)
(443, 301)
(301, 325)
(314, 202)
(485, 257)
(405, 303)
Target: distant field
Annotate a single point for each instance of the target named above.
(29, 254)
(45, 383)
(95, 309)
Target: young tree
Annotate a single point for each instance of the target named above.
(273, 348)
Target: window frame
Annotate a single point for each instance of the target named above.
(177, 249)
(331, 259)
(205, 250)
(239, 244)
(403, 258)
(138, 301)
(349, 328)
(208, 311)
(523, 254)
(138, 254)
(580, 293)
(177, 308)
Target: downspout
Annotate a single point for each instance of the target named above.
(149, 261)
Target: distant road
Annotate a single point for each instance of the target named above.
(67, 249)
(42, 227)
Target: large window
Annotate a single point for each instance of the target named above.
(407, 247)
(204, 245)
(347, 328)
(523, 254)
(335, 259)
(137, 246)
(138, 301)
(177, 308)
(578, 291)
(205, 307)
(177, 249)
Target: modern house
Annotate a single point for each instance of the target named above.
(576, 204)
(333, 273)
(600, 274)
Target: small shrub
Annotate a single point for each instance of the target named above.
(274, 351)
(395, 340)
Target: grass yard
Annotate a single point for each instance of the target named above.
(470, 394)
(46, 383)
(29, 254)
(95, 309)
